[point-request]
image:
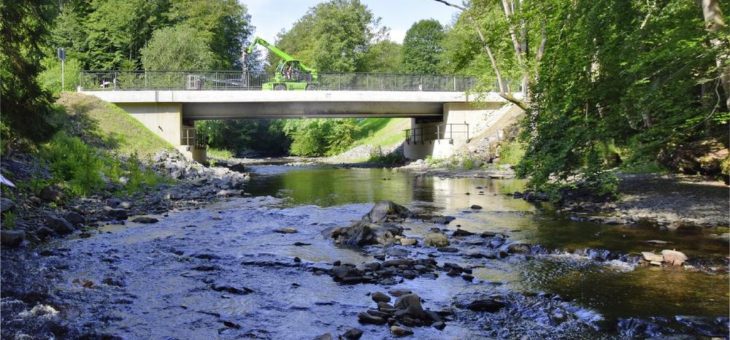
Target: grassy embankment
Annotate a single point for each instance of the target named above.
(98, 147)
(379, 134)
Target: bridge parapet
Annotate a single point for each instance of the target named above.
(242, 81)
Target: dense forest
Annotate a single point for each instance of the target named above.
(640, 86)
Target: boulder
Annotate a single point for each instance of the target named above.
(673, 257)
(364, 233)
(651, 257)
(410, 305)
(44, 232)
(352, 334)
(437, 240)
(408, 241)
(6, 204)
(380, 297)
(11, 238)
(75, 218)
(488, 304)
(59, 225)
(115, 214)
(51, 193)
(366, 318)
(325, 336)
(385, 211)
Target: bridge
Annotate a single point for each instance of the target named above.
(443, 110)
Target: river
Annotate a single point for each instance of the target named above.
(220, 272)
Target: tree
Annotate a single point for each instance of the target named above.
(25, 107)
(178, 48)
(422, 47)
(333, 36)
(118, 30)
(384, 57)
(224, 25)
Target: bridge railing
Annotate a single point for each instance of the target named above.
(238, 80)
(437, 132)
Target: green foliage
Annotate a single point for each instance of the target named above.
(73, 162)
(422, 47)
(619, 83)
(50, 78)
(8, 220)
(511, 152)
(262, 136)
(178, 48)
(377, 156)
(219, 153)
(26, 108)
(384, 57)
(333, 36)
(320, 137)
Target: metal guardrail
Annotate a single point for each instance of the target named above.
(436, 132)
(238, 80)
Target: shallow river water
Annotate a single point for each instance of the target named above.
(220, 272)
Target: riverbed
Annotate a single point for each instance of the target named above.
(222, 271)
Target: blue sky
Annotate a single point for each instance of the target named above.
(271, 16)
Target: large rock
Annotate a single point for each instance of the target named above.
(11, 238)
(75, 218)
(387, 211)
(437, 240)
(488, 304)
(651, 257)
(51, 193)
(410, 305)
(115, 213)
(60, 225)
(673, 257)
(363, 233)
(6, 204)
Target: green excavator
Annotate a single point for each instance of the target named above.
(291, 74)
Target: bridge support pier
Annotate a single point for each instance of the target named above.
(441, 138)
(166, 120)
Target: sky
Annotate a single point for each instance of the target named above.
(271, 16)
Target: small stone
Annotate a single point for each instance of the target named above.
(366, 318)
(380, 297)
(476, 207)
(352, 334)
(408, 241)
(11, 238)
(325, 336)
(145, 220)
(297, 259)
(462, 232)
(673, 257)
(44, 232)
(301, 244)
(437, 240)
(287, 230)
(400, 331)
(467, 277)
(439, 325)
(116, 214)
(51, 193)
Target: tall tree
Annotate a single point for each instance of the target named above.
(333, 36)
(225, 25)
(179, 48)
(384, 57)
(422, 47)
(25, 108)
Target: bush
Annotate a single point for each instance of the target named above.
(73, 162)
(511, 153)
(378, 157)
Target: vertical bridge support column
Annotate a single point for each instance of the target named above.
(166, 120)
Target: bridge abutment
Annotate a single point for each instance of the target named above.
(441, 138)
(166, 120)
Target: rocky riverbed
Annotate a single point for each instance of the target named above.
(253, 267)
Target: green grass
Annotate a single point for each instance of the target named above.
(511, 153)
(381, 131)
(105, 123)
(219, 153)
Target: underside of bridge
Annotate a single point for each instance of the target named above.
(441, 121)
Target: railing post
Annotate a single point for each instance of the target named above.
(438, 132)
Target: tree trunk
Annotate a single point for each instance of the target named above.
(714, 22)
